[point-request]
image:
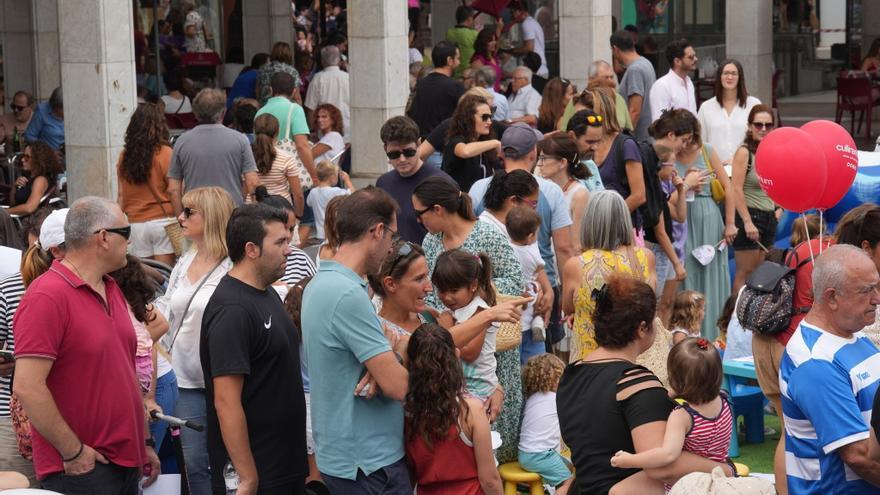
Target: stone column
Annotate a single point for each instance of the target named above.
(832, 16)
(97, 67)
(584, 30)
(46, 46)
(264, 23)
(442, 18)
(18, 47)
(379, 78)
(749, 39)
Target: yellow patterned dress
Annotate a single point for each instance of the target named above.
(596, 266)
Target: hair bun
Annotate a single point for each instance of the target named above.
(261, 193)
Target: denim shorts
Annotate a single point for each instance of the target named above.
(549, 464)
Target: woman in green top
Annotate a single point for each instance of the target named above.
(757, 232)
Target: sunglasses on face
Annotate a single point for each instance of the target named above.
(763, 125)
(188, 212)
(486, 117)
(125, 232)
(408, 152)
(16, 108)
(403, 252)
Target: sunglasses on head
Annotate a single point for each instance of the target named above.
(594, 119)
(408, 152)
(763, 125)
(188, 212)
(404, 251)
(125, 232)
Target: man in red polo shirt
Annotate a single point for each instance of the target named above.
(75, 373)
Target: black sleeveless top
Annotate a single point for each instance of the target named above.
(595, 425)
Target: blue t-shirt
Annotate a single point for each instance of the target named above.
(245, 86)
(45, 127)
(551, 208)
(341, 331)
(828, 385)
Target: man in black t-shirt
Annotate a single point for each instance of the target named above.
(437, 94)
(400, 136)
(250, 358)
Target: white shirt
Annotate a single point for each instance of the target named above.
(531, 30)
(173, 105)
(725, 132)
(480, 377)
(331, 85)
(336, 143)
(415, 56)
(671, 91)
(491, 220)
(185, 352)
(540, 424)
(524, 102)
(318, 198)
(530, 258)
(502, 108)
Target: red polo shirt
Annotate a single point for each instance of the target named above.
(92, 378)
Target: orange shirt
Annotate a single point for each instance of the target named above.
(137, 201)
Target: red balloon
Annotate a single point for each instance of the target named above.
(841, 159)
(791, 169)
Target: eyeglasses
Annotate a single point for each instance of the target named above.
(395, 237)
(408, 152)
(419, 213)
(730, 74)
(125, 232)
(763, 125)
(533, 203)
(404, 251)
(16, 108)
(486, 117)
(546, 157)
(188, 212)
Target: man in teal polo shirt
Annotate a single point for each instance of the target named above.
(290, 116)
(358, 440)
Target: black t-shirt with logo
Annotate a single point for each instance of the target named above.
(245, 331)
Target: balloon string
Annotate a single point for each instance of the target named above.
(809, 243)
(821, 227)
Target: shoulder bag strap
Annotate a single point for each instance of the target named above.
(179, 322)
(156, 196)
(181, 105)
(707, 162)
(287, 124)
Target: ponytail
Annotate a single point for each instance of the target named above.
(264, 152)
(34, 263)
(444, 192)
(458, 268)
(485, 279)
(517, 183)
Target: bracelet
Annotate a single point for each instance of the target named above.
(78, 453)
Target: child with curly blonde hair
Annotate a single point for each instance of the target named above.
(539, 438)
(688, 312)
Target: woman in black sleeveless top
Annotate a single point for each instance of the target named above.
(608, 403)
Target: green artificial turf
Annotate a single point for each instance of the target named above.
(759, 456)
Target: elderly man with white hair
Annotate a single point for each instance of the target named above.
(524, 99)
(828, 377)
(602, 76)
(331, 85)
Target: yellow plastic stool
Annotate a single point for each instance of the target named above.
(512, 473)
(741, 469)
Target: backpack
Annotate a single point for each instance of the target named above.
(654, 197)
(766, 304)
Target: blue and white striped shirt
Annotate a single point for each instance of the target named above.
(828, 385)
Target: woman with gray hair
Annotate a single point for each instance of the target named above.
(607, 239)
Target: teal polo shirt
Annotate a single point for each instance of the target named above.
(341, 331)
(279, 106)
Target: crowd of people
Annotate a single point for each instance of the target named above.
(540, 271)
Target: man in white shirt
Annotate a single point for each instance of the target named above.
(524, 100)
(532, 35)
(331, 86)
(675, 89)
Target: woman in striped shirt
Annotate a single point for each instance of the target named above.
(278, 170)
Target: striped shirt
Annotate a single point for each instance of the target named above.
(276, 180)
(299, 266)
(11, 290)
(828, 385)
(710, 437)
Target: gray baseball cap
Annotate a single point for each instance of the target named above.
(519, 139)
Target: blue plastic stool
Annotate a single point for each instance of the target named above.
(748, 402)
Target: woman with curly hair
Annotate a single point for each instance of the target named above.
(328, 126)
(448, 443)
(486, 53)
(142, 172)
(41, 168)
(277, 169)
(557, 93)
(471, 148)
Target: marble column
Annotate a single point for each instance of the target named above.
(18, 47)
(264, 23)
(379, 78)
(749, 39)
(97, 67)
(46, 46)
(584, 30)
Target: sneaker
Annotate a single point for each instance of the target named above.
(538, 334)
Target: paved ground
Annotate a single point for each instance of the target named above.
(798, 110)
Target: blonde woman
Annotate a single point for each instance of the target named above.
(206, 211)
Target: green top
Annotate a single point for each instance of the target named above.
(756, 198)
(279, 106)
(464, 37)
(620, 108)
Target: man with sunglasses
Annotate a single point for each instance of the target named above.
(22, 107)
(400, 136)
(675, 89)
(75, 374)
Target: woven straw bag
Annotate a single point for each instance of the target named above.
(509, 335)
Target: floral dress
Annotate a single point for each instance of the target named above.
(508, 279)
(596, 266)
(264, 78)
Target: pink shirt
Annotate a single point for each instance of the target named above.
(92, 380)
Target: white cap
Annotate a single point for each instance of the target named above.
(52, 230)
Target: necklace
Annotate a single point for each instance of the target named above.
(568, 184)
(75, 269)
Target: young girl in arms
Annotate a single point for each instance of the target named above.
(702, 425)
(448, 444)
(539, 438)
(464, 284)
(688, 312)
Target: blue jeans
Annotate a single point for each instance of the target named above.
(166, 397)
(389, 480)
(530, 348)
(191, 406)
(663, 266)
(435, 159)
